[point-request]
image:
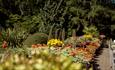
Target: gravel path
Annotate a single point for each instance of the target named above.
(103, 60)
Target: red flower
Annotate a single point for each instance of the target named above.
(4, 44)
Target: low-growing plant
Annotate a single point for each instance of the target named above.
(37, 38)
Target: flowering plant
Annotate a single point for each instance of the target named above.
(4, 44)
(38, 45)
(87, 36)
(55, 42)
(81, 55)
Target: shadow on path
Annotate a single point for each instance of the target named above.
(99, 52)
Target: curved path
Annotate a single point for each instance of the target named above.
(103, 59)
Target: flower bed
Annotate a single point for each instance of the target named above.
(40, 59)
(74, 54)
(80, 50)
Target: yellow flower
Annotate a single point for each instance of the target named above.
(87, 36)
(54, 42)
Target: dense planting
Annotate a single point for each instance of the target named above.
(56, 55)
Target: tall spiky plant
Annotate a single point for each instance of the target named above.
(56, 33)
(73, 33)
(63, 34)
(50, 32)
(60, 34)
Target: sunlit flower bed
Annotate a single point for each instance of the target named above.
(83, 52)
(56, 55)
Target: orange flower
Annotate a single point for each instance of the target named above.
(44, 45)
(73, 53)
(38, 45)
(95, 44)
(34, 46)
(87, 56)
(68, 45)
(91, 48)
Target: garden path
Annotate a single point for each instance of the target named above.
(102, 60)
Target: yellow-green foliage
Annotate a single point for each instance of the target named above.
(40, 60)
(91, 30)
(37, 38)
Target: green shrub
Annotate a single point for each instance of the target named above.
(37, 38)
(91, 30)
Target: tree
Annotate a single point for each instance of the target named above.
(39, 15)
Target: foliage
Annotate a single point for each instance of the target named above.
(91, 30)
(50, 36)
(63, 34)
(71, 41)
(13, 37)
(39, 16)
(37, 38)
(40, 60)
(31, 24)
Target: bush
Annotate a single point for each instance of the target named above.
(91, 30)
(37, 38)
